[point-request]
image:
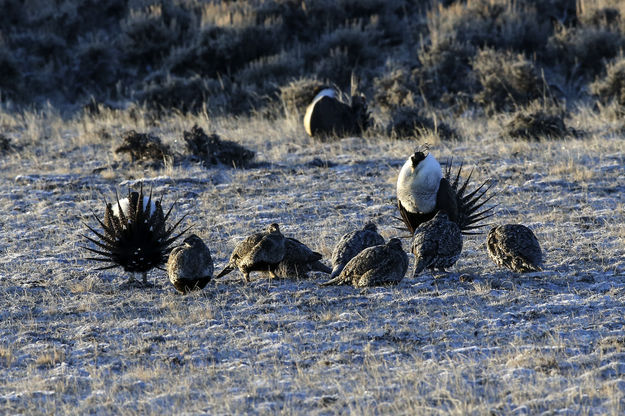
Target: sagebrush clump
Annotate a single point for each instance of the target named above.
(612, 85)
(506, 80)
(411, 122)
(213, 150)
(143, 147)
(537, 121)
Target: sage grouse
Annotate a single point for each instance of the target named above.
(380, 265)
(422, 191)
(436, 244)
(258, 252)
(134, 235)
(514, 246)
(298, 260)
(190, 265)
(353, 243)
(326, 115)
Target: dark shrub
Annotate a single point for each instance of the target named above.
(395, 89)
(537, 121)
(582, 51)
(143, 147)
(297, 94)
(507, 80)
(499, 24)
(445, 70)
(5, 144)
(408, 122)
(9, 74)
(612, 86)
(212, 150)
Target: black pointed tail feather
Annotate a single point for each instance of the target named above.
(470, 205)
(225, 271)
(336, 281)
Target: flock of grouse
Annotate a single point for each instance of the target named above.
(435, 206)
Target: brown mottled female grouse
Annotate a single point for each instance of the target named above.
(353, 243)
(135, 236)
(380, 265)
(258, 252)
(190, 265)
(298, 260)
(514, 246)
(436, 244)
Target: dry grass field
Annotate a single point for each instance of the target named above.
(529, 93)
(477, 341)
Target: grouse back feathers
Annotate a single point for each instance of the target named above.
(516, 247)
(258, 252)
(379, 265)
(436, 244)
(353, 243)
(190, 265)
(298, 260)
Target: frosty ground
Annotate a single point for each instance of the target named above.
(476, 341)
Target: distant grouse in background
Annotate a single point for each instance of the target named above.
(436, 244)
(516, 247)
(258, 252)
(190, 265)
(379, 265)
(298, 260)
(134, 235)
(326, 115)
(353, 243)
(422, 191)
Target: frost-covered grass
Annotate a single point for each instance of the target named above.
(477, 341)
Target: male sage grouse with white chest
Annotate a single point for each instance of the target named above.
(326, 115)
(298, 260)
(379, 265)
(422, 191)
(353, 243)
(134, 235)
(190, 265)
(516, 247)
(258, 252)
(436, 244)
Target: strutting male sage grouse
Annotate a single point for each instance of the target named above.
(190, 265)
(422, 191)
(379, 265)
(516, 247)
(353, 243)
(298, 260)
(134, 235)
(326, 115)
(258, 252)
(436, 244)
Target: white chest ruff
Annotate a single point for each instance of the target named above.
(125, 204)
(417, 187)
(328, 92)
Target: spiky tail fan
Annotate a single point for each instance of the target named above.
(136, 239)
(470, 204)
